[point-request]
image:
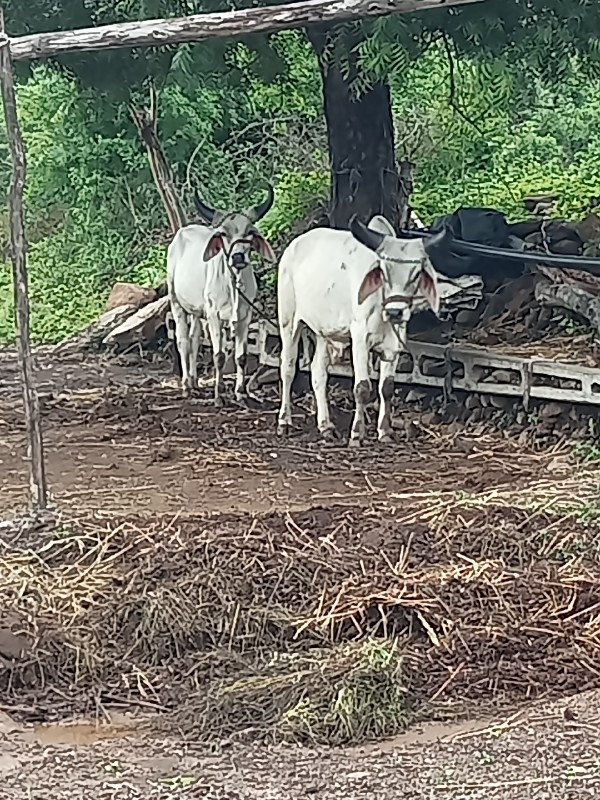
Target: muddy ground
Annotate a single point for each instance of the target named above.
(121, 443)
(546, 752)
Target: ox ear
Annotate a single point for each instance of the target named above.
(372, 281)
(214, 246)
(262, 247)
(428, 286)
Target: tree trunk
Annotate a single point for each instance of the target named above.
(146, 123)
(364, 174)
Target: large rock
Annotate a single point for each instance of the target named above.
(140, 326)
(525, 228)
(129, 294)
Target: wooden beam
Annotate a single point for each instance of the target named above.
(35, 449)
(196, 28)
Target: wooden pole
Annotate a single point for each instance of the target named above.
(35, 448)
(198, 27)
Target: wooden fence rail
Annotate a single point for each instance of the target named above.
(196, 28)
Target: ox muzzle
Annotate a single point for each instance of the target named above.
(240, 259)
(398, 308)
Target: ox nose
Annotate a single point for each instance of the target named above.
(396, 314)
(238, 260)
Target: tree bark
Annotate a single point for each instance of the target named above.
(198, 27)
(146, 121)
(35, 448)
(573, 298)
(360, 132)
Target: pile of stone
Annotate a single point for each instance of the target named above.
(134, 316)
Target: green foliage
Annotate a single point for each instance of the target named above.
(150, 270)
(540, 35)
(66, 287)
(495, 140)
(298, 194)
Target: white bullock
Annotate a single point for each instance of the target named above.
(209, 275)
(359, 286)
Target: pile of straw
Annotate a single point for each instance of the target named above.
(336, 624)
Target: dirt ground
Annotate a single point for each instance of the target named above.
(542, 753)
(120, 441)
(121, 437)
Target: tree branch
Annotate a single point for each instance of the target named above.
(198, 27)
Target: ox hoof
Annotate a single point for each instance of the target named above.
(218, 402)
(386, 438)
(283, 429)
(355, 441)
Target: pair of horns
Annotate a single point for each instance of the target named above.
(254, 214)
(373, 239)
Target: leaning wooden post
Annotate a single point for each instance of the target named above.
(35, 449)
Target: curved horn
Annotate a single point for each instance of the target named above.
(371, 239)
(205, 211)
(257, 212)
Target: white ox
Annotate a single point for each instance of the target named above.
(359, 285)
(208, 271)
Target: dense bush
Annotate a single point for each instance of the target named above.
(500, 137)
(94, 215)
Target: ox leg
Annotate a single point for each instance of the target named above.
(195, 336)
(241, 357)
(362, 386)
(182, 335)
(216, 337)
(319, 374)
(290, 334)
(387, 371)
